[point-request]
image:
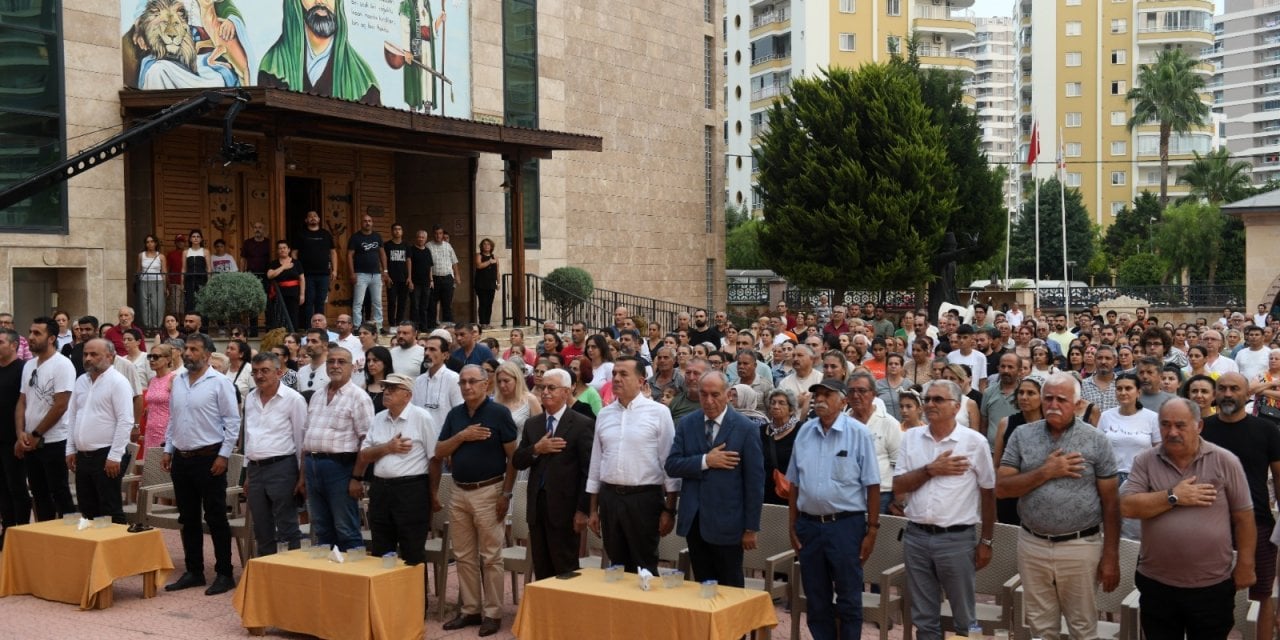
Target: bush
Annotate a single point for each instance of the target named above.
(567, 288)
(229, 297)
(1141, 269)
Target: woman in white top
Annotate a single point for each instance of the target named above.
(1041, 362)
(133, 343)
(1131, 430)
(968, 414)
(151, 284)
(64, 329)
(513, 394)
(195, 269)
(601, 357)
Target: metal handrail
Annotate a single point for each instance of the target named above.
(596, 311)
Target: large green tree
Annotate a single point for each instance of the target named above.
(855, 181)
(1168, 94)
(1190, 238)
(1132, 230)
(1080, 236)
(1216, 178)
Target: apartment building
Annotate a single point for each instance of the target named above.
(994, 93)
(1246, 83)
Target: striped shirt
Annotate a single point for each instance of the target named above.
(337, 425)
(442, 258)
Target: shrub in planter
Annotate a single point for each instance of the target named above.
(230, 297)
(567, 288)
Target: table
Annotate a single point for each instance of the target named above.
(58, 562)
(589, 607)
(354, 600)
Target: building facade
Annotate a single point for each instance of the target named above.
(1073, 77)
(770, 42)
(1246, 83)
(994, 93)
(427, 131)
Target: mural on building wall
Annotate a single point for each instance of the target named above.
(405, 54)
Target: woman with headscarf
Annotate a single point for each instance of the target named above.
(744, 400)
(779, 436)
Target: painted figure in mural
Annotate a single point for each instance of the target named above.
(421, 32)
(179, 44)
(313, 55)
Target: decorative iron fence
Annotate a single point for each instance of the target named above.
(798, 298)
(595, 311)
(750, 291)
(1172, 296)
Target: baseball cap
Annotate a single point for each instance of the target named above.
(832, 384)
(398, 380)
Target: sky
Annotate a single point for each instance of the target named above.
(988, 8)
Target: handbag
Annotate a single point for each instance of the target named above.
(1264, 408)
(781, 486)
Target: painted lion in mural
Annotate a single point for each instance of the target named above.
(164, 31)
(164, 49)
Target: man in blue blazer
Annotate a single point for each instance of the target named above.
(717, 455)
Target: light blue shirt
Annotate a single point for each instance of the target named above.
(203, 413)
(833, 469)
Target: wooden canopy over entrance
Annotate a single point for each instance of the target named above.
(283, 114)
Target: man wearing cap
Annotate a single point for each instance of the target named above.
(834, 511)
(401, 441)
(436, 390)
(556, 448)
(275, 418)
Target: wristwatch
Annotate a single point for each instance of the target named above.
(1173, 499)
(357, 478)
(508, 495)
(987, 541)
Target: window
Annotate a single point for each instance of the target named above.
(847, 6)
(1119, 56)
(708, 69)
(711, 282)
(893, 7)
(847, 41)
(1074, 89)
(1073, 180)
(520, 104)
(32, 108)
(1073, 149)
(1074, 27)
(1073, 118)
(707, 11)
(1119, 118)
(708, 136)
(1073, 59)
(1073, 3)
(1117, 178)
(894, 44)
(1119, 87)
(1116, 208)
(1119, 147)
(1119, 25)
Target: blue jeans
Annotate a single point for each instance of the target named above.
(372, 282)
(937, 564)
(829, 565)
(335, 516)
(317, 295)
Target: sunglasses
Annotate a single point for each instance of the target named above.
(154, 356)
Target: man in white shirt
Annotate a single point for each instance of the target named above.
(626, 479)
(1262, 318)
(314, 376)
(1252, 359)
(437, 390)
(885, 431)
(401, 440)
(275, 418)
(351, 342)
(406, 355)
(1014, 316)
(966, 354)
(100, 419)
(948, 474)
(1215, 362)
(803, 376)
(47, 380)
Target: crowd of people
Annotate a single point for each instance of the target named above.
(1117, 426)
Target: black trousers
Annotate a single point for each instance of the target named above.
(1203, 613)
(98, 494)
(197, 490)
(442, 296)
(397, 303)
(47, 474)
(629, 525)
(719, 562)
(420, 303)
(400, 517)
(552, 543)
(15, 501)
(485, 297)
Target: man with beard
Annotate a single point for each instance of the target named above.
(999, 401)
(204, 425)
(406, 354)
(351, 342)
(319, 260)
(436, 390)
(1256, 442)
(100, 419)
(368, 265)
(313, 55)
(1149, 384)
(315, 375)
(703, 330)
(47, 381)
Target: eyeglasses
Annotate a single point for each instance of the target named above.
(937, 399)
(466, 382)
(154, 356)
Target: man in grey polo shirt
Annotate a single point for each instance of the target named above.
(1063, 473)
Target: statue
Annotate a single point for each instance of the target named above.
(943, 289)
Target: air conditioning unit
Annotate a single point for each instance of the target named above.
(937, 38)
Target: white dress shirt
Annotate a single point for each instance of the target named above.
(437, 393)
(946, 501)
(415, 424)
(41, 381)
(352, 343)
(631, 445)
(100, 414)
(275, 428)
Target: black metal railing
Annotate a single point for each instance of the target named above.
(802, 298)
(595, 311)
(753, 291)
(1171, 296)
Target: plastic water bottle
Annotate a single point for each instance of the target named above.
(975, 630)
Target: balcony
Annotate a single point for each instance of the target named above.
(957, 24)
(1176, 34)
(770, 91)
(772, 60)
(777, 20)
(1175, 5)
(941, 58)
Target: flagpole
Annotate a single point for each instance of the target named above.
(1032, 152)
(1008, 217)
(1062, 187)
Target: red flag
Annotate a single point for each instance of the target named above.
(1034, 151)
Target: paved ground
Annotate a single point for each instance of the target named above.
(192, 615)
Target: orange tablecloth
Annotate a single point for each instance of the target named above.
(353, 600)
(589, 607)
(55, 561)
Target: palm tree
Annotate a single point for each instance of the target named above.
(1168, 93)
(1216, 178)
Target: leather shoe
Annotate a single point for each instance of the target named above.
(490, 626)
(187, 581)
(462, 621)
(221, 584)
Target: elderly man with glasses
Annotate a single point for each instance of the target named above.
(338, 417)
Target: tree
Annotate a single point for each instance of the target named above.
(1132, 230)
(742, 246)
(855, 181)
(1080, 234)
(1190, 238)
(1168, 93)
(1141, 269)
(567, 288)
(1214, 177)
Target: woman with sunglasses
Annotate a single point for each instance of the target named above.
(1131, 429)
(1029, 410)
(164, 361)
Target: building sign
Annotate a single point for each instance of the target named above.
(405, 54)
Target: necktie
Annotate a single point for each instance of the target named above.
(711, 433)
(551, 426)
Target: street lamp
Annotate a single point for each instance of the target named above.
(1066, 288)
(1151, 233)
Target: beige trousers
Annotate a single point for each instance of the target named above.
(1059, 580)
(476, 531)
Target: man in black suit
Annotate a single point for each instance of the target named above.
(556, 446)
